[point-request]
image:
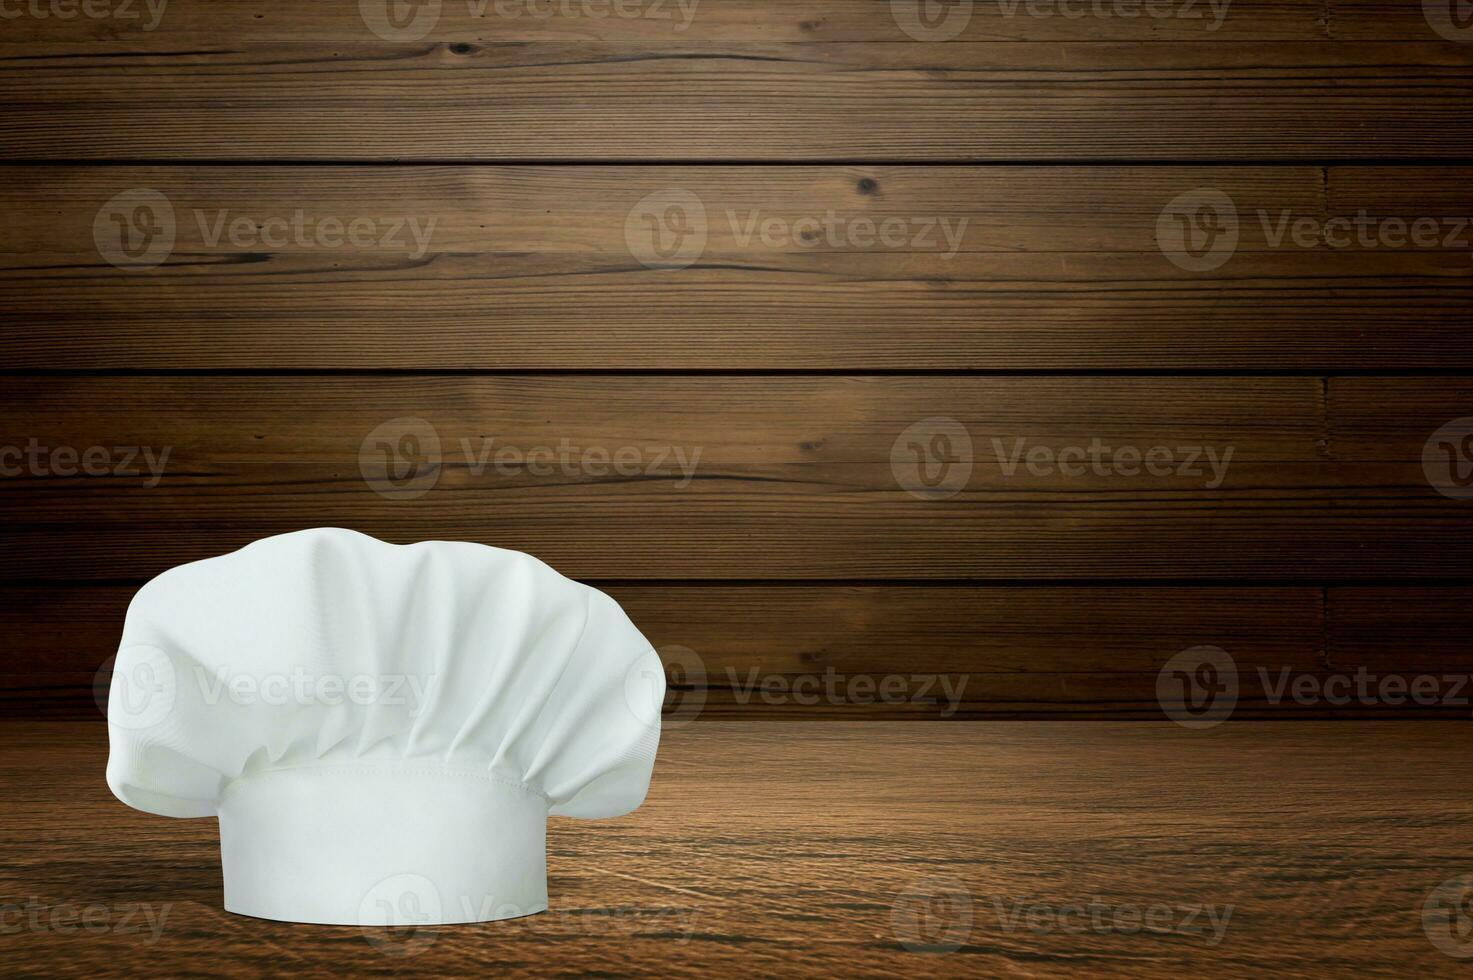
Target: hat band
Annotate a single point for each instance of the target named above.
(382, 847)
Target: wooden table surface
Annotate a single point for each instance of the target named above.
(853, 848)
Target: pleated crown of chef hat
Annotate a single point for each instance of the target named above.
(382, 730)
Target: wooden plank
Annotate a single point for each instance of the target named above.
(739, 101)
(500, 267)
(203, 23)
(1385, 424)
(1315, 846)
(750, 212)
(804, 628)
(1385, 20)
(1264, 691)
(773, 477)
(735, 477)
(800, 650)
(1384, 629)
(956, 651)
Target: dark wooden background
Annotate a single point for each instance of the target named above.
(794, 367)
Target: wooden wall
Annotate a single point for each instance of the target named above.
(797, 289)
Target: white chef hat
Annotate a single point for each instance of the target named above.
(381, 729)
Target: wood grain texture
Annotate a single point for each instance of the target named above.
(823, 870)
(1378, 627)
(538, 268)
(203, 22)
(806, 651)
(882, 101)
(797, 629)
(794, 477)
(743, 477)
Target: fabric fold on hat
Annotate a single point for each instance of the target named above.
(381, 729)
